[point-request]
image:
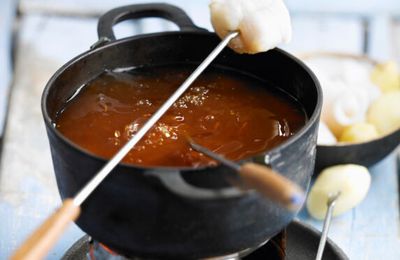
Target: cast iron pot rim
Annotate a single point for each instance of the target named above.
(84, 55)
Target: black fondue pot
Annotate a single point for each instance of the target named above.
(177, 212)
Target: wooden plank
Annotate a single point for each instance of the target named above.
(325, 33)
(28, 192)
(358, 7)
(375, 228)
(395, 36)
(20, 214)
(380, 38)
(197, 10)
(7, 13)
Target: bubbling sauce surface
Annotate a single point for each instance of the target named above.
(230, 113)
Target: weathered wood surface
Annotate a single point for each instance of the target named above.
(7, 12)
(354, 7)
(28, 191)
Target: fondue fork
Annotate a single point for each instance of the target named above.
(43, 239)
(332, 199)
(261, 178)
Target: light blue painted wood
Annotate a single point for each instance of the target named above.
(360, 7)
(19, 219)
(380, 37)
(320, 33)
(28, 190)
(198, 9)
(396, 39)
(7, 13)
(299, 6)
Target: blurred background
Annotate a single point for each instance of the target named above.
(39, 36)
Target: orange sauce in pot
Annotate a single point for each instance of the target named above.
(230, 113)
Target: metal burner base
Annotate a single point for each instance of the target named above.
(301, 244)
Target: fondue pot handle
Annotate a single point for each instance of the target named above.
(166, 11)
(174, 182)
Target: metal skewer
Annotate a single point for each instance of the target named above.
(99, 177)
(41, 241)
(327, 222)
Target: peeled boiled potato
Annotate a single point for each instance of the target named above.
(360, 132)
(263, 24)
(386, 76)
(351, 180)
(384, 112)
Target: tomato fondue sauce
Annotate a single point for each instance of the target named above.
(230, 113)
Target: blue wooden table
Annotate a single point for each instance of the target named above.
(49, 33)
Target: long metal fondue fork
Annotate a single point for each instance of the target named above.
(99, 177)
(327, 222)
(42, 240)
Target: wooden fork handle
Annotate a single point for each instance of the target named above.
(45, 236)
(272, 185)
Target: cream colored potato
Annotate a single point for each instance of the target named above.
(352, 181)
(384, 112)
(263, 24)
(356, 133)
(325, 136)
(386, 76)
